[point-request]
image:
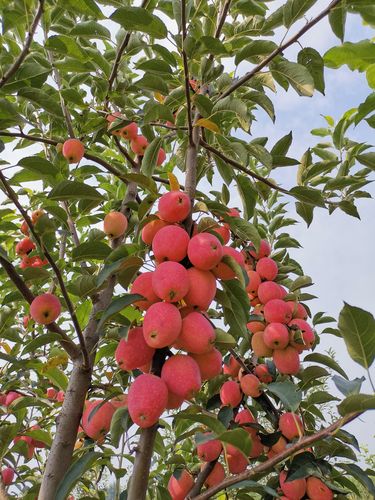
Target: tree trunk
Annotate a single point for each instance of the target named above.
(139, 481)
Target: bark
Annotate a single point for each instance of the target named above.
(139, 481)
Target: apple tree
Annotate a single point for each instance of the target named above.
(156, 336)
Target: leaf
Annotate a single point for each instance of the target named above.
(75, 473)
(73, 190)
(152, 82)
(263, 101)
(91, 250)
(236, 268)
(300, 282)
(248, 195)
(348, 387)
(308, 195)
(370, 76)
(282, 145)
(238, 438)
(39, 165)
(303, 465)
(295, 9)
(313, 61)
(356, 403)
(367, 159)
(90, 29)
(305, 211)
(151, 156)
(117, 305)
(323, 359)
(260, 153)
(357, 55)
(365, 108)
(211, 422)
(119, 424)
(139, 19)
(296, 74)
(357, 327)
(143, 181)
(43, 100)
(245, 230)
(337, 19)
(40, 435)
(255, 48)
(7, 433)
(288, 394)
(40, 341)
(359, 475)
(173, 182)
(208, 124)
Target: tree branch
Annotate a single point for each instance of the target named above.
(279, 50)
(201, 478)
(125, 153)
(186, 72)
(304, 442)
(30, 35)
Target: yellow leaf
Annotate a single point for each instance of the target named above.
(173, 182)
(204, 122)
(109, 375)
(159, 97)
(6, 347)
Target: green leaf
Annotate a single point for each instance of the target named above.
(7, 433)
(348, 387)
(313, 61)
(150, 157)
(337, 19)
(91, 250)
(143, 181)
(9, 115)
(119, 424)
(39, 165)
(57, 377)
(211, 422)
(152, 82)
(287, 393)
(74, 190)
(357, 327)
(323, 359)
(365, 108)
(139, 19)
(214, 45)
(248, 195)
(356, 403)
(282, 145)
(300, 282)
(75, 473)
(308, 195)
(255, 48)
(117, 305)
(367, 159)
(260, 153)
(263, 101)
(295, 9)
(90, 29)
(42, 100)
(244, 230)
(357, 55)
(370, 76)
(359, 475)
(40, 435)
(305, 211)
(295, 74)
(40, 341)
(238, 438)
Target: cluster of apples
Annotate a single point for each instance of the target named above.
(55, 395)
(280, 330)
(25, 246)
(312, 487)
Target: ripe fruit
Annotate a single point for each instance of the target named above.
(250, 385)
(317, 490)
(133, 352)
(115, 224)
(291, 425)
(298, 310)
(120, 401)
(11, 396)
(45, 309)
(170, 243)
(73, 150)
(257, 448)
(7, 476)
(222, 270)
(255, 326)
(209, 450)
(277, 311)
(60, 396)
(202, 289)
(233, 212)
(174, 206)
(230, 394)
(174, 401)
(24, 246)
(278, 447)
(51, 393)
(162, 325)
(224, 232)
(210, 363)
(180, 485)
(267, 268)
(308, 336)
(143, 285)
(244, 417)
(35, 442)
(170, 281)
(129, 132)
(269, 290)
(96, 419)
(258, 345)
(24, 228)
(232, 368)
(147, 399)
(182, 376)
(197, 334)
(138, 145)
(205, 251)
(262, 372)
(264, 250)
(287, 360)
(254, 282)
(215, 476)
(161, 157)
(237, 462)
(294, 490)
(150, 229)
(276, 335)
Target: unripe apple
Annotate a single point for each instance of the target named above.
(150, 229)
(133, 352)
(115, 224)
(257, 448)
(170, 281)
(174, 206)
(51, 393)
(162, 325)
(230, 394)
(182, 376)
(24, 228)
(7, 476)
(147, 399)
(259, 347)
(237, 462)
(291, 425)
(143, 286)
(216, 476)
(60, 396)
(24, 246)
(36, 215)
(250, 385)
(223, 231)
(138, 145)
(174, 401)
(161, 157)
(308, 335)
(297, 309)
(277, 311)
(269, 290)
(180, 486)
(197, 334)
(96, 419)
(129, 132)
(264, 250)
(294, 490)
(209, 450)
(73, 150)
(287, 360)
(317, 490)
(45, 309)
(222, 270)
(170, 243)
(202, 289)
(267, 268)
(210, 364)
(205, 251)
(263, 373)
(232, 368)
(245, 417)
(276, 335)
(254, 282)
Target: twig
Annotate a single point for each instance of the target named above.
(279, 50)
(304, 442)
(125, 153)
(201, 478)
(30, 35)
(186, 72)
